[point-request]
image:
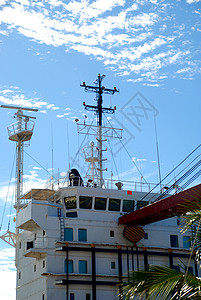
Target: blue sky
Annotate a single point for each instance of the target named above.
(150, 50)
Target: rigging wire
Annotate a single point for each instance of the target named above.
(113, 159)
(7, 192)
(171, 171)
(40, 165)
(11, 207)
(157, 151)
(184, 186)
(129, 154)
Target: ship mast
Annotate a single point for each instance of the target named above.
(19, 132)
(99, 89)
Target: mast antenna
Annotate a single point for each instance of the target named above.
(19, 132)
(99, 89)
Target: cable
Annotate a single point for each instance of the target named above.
(7, 192)
(113, 159)
(171, 172)
(40, 165)
(129, 154)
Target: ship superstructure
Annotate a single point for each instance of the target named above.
(80, 241)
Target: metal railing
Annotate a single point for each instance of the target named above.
(20, 126)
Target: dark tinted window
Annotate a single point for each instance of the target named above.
(85, 202)
(70, 202)
(68, 234)
(174, 240)
(114, 204)
(128, 205)
(72, 214)
(141, 204)
(100, 203)
(82, 235)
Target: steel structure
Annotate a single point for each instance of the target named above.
(99, 89)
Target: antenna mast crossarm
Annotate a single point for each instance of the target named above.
(99, 90)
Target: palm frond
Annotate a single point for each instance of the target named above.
(161, 283)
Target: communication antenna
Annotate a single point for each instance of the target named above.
(99, 89)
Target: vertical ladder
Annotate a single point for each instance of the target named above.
(62, 225)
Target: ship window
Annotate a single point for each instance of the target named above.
(68, 234)
(72, 214)
(34, 268)
(70, 202)
(174, 241)
(111, 233)
(70, 266)
(72, 296)
(88, 296)
(112, 264)
(141, 204)
(85, 202)
(100, 203)
(29, 245)
(128, 205)
(186, 242)
(82, 266)
(82, 235)
(114, 204)
(177, 268)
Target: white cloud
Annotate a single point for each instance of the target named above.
(121, 34)
(7, 273)
(192, 1)
(13, 96)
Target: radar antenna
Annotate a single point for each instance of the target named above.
(19, 132)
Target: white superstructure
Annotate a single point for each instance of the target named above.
(72, 243)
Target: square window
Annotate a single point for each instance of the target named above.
(111, 233)
(174, 241)
(114, 204)
(128, 205)
(70, 202)
(88, 297)
(190, 270)
(82, 266)
(68, 234)
(112, 264)
(146, 236)
(70, 266)
(72, 296)
(29, 245)
(186, 242)
(85, 202)
(82, 235)
(100, 203)
(141, 204)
